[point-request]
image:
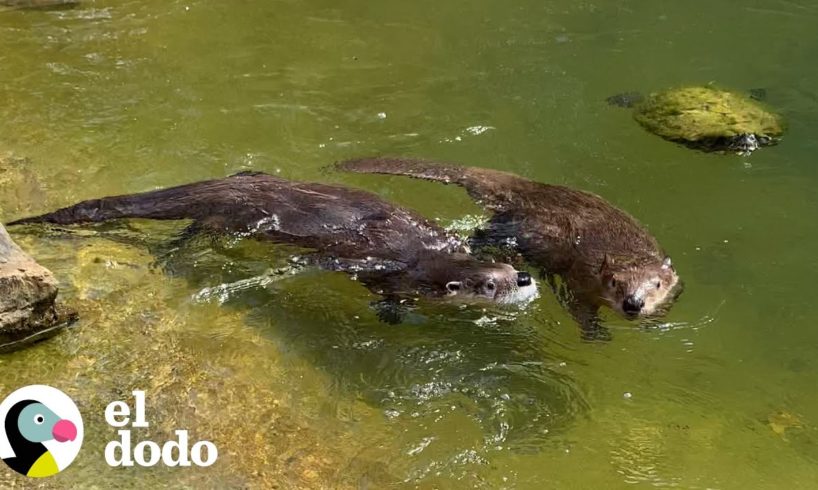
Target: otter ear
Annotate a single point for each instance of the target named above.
(453, 287)
(607, 263)
(608, 279)
(667, 264)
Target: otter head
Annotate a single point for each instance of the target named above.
(467, 278)
(639, 290)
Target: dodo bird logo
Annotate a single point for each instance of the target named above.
(41, 431)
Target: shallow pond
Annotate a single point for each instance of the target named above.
(297, 382)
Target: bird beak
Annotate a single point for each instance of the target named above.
(64, 430)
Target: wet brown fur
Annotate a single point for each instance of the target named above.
(394, 251)
(601, 252)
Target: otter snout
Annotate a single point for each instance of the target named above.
(523, 279)
(633, 305)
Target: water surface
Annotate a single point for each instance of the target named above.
(297, 382)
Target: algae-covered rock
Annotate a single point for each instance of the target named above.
(40, 4)
(706, 118)
(782, 421)
(28, 292)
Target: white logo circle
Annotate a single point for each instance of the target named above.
(41, 431)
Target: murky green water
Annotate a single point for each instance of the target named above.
(297, 382)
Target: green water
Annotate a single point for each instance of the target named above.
(297, 382)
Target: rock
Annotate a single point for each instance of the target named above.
(40, 4)
(28, 292)
(706, 118)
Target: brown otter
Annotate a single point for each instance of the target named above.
(603, 254)
(392, 250)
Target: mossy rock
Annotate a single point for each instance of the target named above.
(40, 4)
(706, 118)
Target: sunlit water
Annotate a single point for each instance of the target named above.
(296, 381)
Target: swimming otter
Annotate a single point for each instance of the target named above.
(603, 254)
(393, 251)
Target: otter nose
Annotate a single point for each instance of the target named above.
(523, 279)
(632, 305)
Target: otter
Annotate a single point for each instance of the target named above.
(391, 250)
(604, 256)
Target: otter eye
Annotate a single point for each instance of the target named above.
(612, 282)
(490, 286)
(39, 419)
(658, 284)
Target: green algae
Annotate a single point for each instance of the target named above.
(704, 116)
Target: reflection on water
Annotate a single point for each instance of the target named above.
(113, 97)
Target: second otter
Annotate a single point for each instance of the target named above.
(392, 250)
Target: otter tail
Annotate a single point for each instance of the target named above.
(491, 187)
(182, 202)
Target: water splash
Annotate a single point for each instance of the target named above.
(224, 292)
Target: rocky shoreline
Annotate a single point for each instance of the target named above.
(28, 293)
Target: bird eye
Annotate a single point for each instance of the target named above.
(612, 283)
(39, 419)
(658, 284)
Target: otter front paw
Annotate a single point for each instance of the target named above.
(595, 333)
(395, 312)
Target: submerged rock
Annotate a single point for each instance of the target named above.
(28, 292)
(40, 4)
(19, 186)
